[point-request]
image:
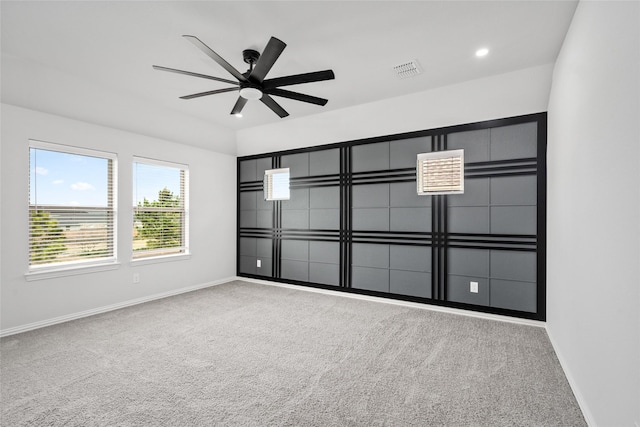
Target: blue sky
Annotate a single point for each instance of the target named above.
(148, 180)
(69, 179)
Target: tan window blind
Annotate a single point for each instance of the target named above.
(276, 184)
(160, 208)
(441, 172)
(72, 206)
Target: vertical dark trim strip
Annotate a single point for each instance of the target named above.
(343, 208)
(541, 251)
(238, 216)
(346, 232)
(445, 234)
(435, 289)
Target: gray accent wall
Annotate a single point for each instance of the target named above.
(355, 222)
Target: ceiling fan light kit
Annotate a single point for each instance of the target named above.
(252, 84)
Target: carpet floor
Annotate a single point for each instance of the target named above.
(244, 354)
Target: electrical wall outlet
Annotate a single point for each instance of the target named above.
(136, 277)
(473, 287)
(259, 263)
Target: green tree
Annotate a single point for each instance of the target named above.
(46, 237)
(161, 220)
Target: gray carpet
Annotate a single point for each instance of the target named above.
(243, 354)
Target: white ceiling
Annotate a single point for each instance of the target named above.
(92, 60)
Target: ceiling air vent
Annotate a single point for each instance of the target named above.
(407, 69)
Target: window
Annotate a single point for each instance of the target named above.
(160, 208)
(276, 184)
(72, 207)
(441, 172)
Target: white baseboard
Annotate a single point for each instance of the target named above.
(438, 308)
(582, 403)
(87, 313)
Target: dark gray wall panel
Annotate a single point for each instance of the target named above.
(372, 279)
(404, 194)
(298, 164)
(514, 142)
(264, 248)
(370, 196)
(475, 144)
(295, 250)
(328, 274)
(512, 265)
(410, 283)
(370, 157)
(295, 270)
(514, 190)
(513, 295)
(469, 220)
(513, 219)
(248, 246)
(324, 197)
(403, 153)
(264, 219)
(261, 166)
(248, 170)
(265, 266)
(469, 262)
(263, 204)
(295, 219)
(371, 219)
(413, 258)
(476, 193)
(324, 219)
(499, 203)
(248, 219)
(299, 199)
(325, 252)
(458, 290)
(324, 162)
(370, 255)
(248, 201)
(248, 264)
(410, 219)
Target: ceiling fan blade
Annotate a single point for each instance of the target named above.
(271, 53)
(269, 102)
(211, 92)
(297, 79)
(240, 103)
(211, 54)
(297, 96)
(189, 73)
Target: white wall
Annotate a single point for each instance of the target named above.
(593, 212)
(212, 221)
(511, 94)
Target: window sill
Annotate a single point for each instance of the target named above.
(70, 271)
(160, 259)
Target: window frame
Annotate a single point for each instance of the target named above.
(435, 156)
(269, 176)
(64, 268)
(185, 251)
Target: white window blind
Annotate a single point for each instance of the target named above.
(441, 172)
(72, 206)
(160, 208)
(276, 184)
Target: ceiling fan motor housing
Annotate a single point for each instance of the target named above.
(250, 56)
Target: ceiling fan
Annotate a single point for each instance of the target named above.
(252, 84)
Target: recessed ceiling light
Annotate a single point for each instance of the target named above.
(482, 52)
(238, 115)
